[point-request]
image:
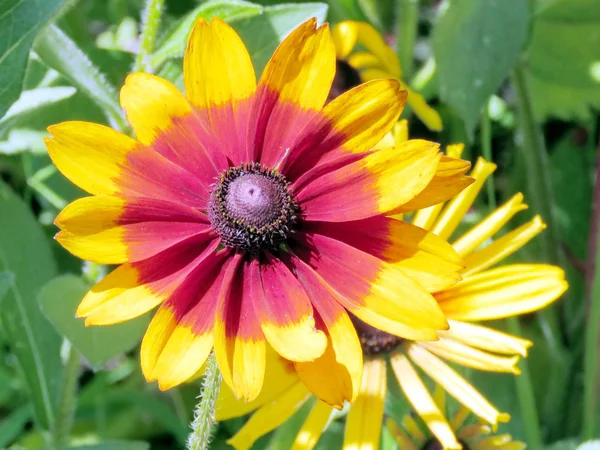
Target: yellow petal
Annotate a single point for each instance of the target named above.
(89, 155)
(313, 427)
(90, 229)
(486, 338)
(399, 436)
(302, 68)
(503, 292)
(503, 247)
(421, 400)
(488, 227)
(366, 113)
(270, 416)
(370, 38)
(428, 115)
(335, 376)
(279, 377)
(344, 36)
(362, 60)
(363, 425)
(217, 67)
(459, 205)
(464, 355)
(151, 104)
(455, 385)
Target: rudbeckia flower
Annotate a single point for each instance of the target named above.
(252, 214)
(409, 435)
(485, 293)
(363, 55)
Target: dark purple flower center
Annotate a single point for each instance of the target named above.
(251, 208)
(346, 77)
(374, 341)
(434, 444)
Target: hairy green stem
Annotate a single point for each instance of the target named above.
(407, 22)
(592, 331)
(66, 406)
(525, 394)
(151, 20)
(204, 415)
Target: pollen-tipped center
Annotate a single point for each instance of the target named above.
(374, 341)
(251, 208)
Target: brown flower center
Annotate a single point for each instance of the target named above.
(251, 208)
(346, 77)
(374, 341)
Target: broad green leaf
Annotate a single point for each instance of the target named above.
(12, 425)
(61, 53)
(20, 21)
(263, 33)
(261, 28)
(476, 44)
(6, 281)
(24, 251)
(113, 445)
(59, 299)
(283, 437)
(175, 41)
(32, 101)
(563, 59)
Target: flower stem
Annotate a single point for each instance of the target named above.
(539, 188)
(204, 415)
(407, 21)
(151, 20)
(592, 333)
(529, 414)
(66, 407)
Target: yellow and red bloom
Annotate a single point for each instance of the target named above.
(363, 55)
(484, 294)
(254, 215)
(409, 435)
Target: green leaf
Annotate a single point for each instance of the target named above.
(474, 52)
(261, 28)
(567, 444)
(61, 53)
(6, 281)
(25, 252)
(24, 140)
(114, 445)
(20, 21)
(31, 102)
(563, 60)
(175, 41)
(13, 424)
(59, 299)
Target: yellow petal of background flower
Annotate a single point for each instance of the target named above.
(270, 416)
(302, 68)
(488, 227)
(279, 377)
(217, 68)
(89, 154)
(458, 206)
(503, 247)
(344, 35)
(486, 338)
(365, 418)
(313, 427)
(503, 292)
(421, 400)
(455, 385)
(151, 104)
(465, 355)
